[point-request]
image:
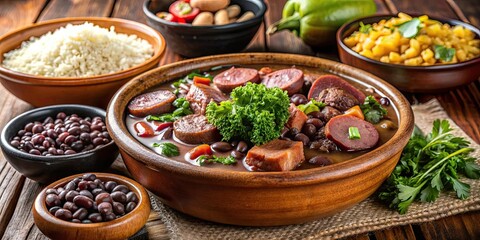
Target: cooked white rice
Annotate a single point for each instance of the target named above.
(78, 51)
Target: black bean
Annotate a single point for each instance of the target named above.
(105, 207)
(15, 143)
(88, 148)
(80, 214)
(52, 200)
(309, 129)
(316, 114)
(61, 115)
(71, 195)
(52, 210)
(167, 134)
(60, 152)
(28, 146)
(110, 216)
(242, 147)
(96, 127)
(320, 161)
(121, 188)
(118, 208)
(57, 121)
(119, 196)
(384, 101)
(48, 120)
(20, 133)
(103, 197)
(97, 191)
(298, 99)
(83, 201)
(237, 155)
(46, 144)
(76, 221)
(70, 139)
(221, 147)
(130, 206)
(86, 221)
(68, 152)
(83, 185)
(70, 186)
(84, 128)
(62, 194)
(303, 138)
(28, 127)
(132, 197)
(293, 131)
(85, 137)
(77, 146)
(62, 136)
(70, 206)
(95, 217)
(97, 141)
(316, 122)
(37, 128)
(51, 191)
(110, 185)
(63, 214)
(86, 193)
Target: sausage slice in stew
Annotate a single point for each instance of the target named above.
(195, 129)
(332, 81)
(337, 130)
(152, 103)
(290, 80)
(235, 77)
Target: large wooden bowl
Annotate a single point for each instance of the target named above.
(258, 198)
(96, 90)
(120, 228)
(417, 79)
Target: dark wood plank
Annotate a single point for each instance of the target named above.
(469, 9)
(11, 10)
(433, 8)
(60, 9)
(402, 232)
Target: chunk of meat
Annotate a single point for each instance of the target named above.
(324, 145)
(276, 155)
(337, 98)
(297, 118)
(200, 95)
(152, 103)
(290, 80)
(329, 81)
(329, 112)
(195, 129)
(337, 131)
(227, 80)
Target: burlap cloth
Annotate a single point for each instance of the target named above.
(368, 215)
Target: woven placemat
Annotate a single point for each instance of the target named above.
(368, 215)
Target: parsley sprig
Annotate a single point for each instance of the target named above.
(428, 165)
(444, 53)
(202, 160)
(410, 28)
(373, 110)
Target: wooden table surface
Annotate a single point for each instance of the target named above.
(17, 193)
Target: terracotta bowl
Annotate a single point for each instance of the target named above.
(195, 41)
(258, 198)
(120, 228)
(95, 90)
(46, 169)
(416, 79)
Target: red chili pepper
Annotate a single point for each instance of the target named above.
(143, 129)
(201, 80)
(200, 150)
(183, 11)
(162, 125)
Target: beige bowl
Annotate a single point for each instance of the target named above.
(258, 198)
(95, 90)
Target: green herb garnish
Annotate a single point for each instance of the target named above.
(443, 53)
(182, 109)
(410, 28)
(353, 133)
(428, 165)
(365, 28)
(255, 113)
(202, 160)
(312, 106)
(373, 110)
(167, 149)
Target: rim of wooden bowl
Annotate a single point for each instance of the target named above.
(159, 46)
(116, 113)
(137, 218)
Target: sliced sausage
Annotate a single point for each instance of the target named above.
(195, 129)
(200, 95)
(276, 155)
(235, 77)
(337, 131)
(152, 103)
(337, 98)
(332, 81)
(290, 80)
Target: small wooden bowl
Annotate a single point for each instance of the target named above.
(416, 79)
(258, 198)
(120, 228)
(95, 90)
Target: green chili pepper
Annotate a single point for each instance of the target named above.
(316, 21)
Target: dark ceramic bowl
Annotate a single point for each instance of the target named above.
(258, 198)
(45, 169)
(194, 41)
(120, 228)
(417, 79)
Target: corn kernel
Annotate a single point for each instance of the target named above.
(427, 54)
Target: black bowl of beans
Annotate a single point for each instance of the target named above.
(91, 206)
(49, 143)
